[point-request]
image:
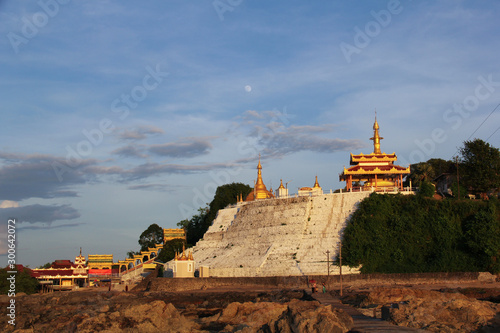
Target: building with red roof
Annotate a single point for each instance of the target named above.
(64, 274)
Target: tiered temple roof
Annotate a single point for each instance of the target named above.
(377, 170)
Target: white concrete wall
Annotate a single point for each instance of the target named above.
(277, 237)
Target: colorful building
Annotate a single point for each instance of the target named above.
(310, 191)
(183, 265)
(282, 191)
(377, 170)
(64, 274)
(170, 234)
(101, 265)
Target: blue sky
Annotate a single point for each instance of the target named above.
(120, 114)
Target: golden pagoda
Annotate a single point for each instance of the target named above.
(316, 184)
(377, 170)
(259, 191)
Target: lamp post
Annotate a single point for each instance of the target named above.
(340, 264)
(328, 267)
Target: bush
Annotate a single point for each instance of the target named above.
(411, 234)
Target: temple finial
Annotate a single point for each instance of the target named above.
(376, 136)
(316, 184)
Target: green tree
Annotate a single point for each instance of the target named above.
(151, 236)
(455, 191)
(170, 248)
(440, 166)
(24, 282)
(225, 195)
(480, 163)
(426, 189)
(131, 254)
(195, 227)
(421, 172)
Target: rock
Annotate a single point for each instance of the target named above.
(435, 311)
(157, 316)
(305, 316)
(93, 311)
(251, 314)
(486, 277)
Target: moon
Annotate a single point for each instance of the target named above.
(248, 88)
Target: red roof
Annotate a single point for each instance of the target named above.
(52, 272)
(63, 264)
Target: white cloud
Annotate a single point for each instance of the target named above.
(8, 204)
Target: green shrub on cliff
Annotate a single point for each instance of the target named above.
(198, 224)
(406, 234)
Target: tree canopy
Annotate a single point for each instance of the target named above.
(480, 163)
(429, 170)
(151, 236)
(24, 282)
(195, 227)
(169, 249)
(225, 195)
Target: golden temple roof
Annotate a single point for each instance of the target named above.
(183, 256)
(316, 185)
(375, 163)
(260, 191)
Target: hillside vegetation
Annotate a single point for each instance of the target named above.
(410, 234)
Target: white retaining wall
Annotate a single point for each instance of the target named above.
(277, 237)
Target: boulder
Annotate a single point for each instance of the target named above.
(436, 311)
(306, 316)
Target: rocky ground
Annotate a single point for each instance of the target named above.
(104, 311)
(431, 308)
(442, 310)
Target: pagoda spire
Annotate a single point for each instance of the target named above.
(316, 184)
(376, 137)
(259, 184)
(259, 189)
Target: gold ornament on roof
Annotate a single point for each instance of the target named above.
(376, 137)
(316, 184)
